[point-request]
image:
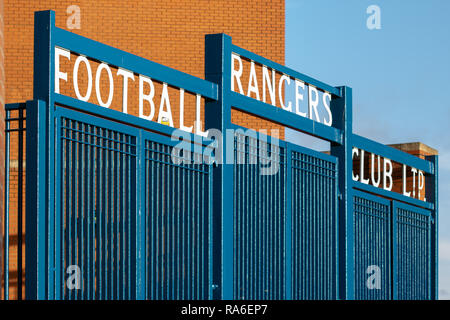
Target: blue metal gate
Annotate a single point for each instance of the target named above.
(107, 194)
(372, 246)
(314, 225)
(413, 252)
(124, 204)
(259, 220)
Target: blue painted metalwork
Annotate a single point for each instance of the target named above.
(218, 116)
(36, 182)
(178, 216)
(314, 225)
(343, 114)
(392, 154)
(413, 252)
(285, 118)
(372, 252)
(432, 195)
(259, 219)
(104, 194)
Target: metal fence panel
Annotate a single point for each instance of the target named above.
(12, 260)
(314, 226)
(178, 236)
(412, 240)
(372, 227)
(259, 220)
(97, 176)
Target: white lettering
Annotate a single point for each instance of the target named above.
(147, 97)
(75, 78)
(59, 52)
(101, 67)
(126, 75)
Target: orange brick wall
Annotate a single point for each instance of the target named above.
(170, 32)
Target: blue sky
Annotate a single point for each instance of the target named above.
(400, 75)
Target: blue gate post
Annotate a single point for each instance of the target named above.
(342, 115)
(141, 258)
(44, 52)
(431, 193)
(35, 222)
(218, 116)
(394, 253)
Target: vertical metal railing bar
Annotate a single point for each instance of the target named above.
(267, 237)
(164, 226)
(148, 213)
(70, 201)
(105, 214)
(237, 196)
(199, 230)
(20, 207)
(169, 214)
(198, 214)
(330, 222)
(81, 211)
(245, 216)
(280, 218)
(294, 231)
(101, 214)
(112, 215)
(236, 222)
(259, 233)
(271, 232)
(108, 214)
(174, 233)
(257, 249)
(117, 214)
(97, 216)
(180, 232)
(192, 229)
(90, 220)
(310, 266)
(124, 215)
(6, 212)
(113, 224)
(250, 169)
(76, 194)
(149, 221)
(158, 226)
(254, 167)
(242, 241)
(302, 216)
(318, 213)
(314, 228)
(195, 244)
(183, 232)
(64, 200)
(129, 174)
(327, 182)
